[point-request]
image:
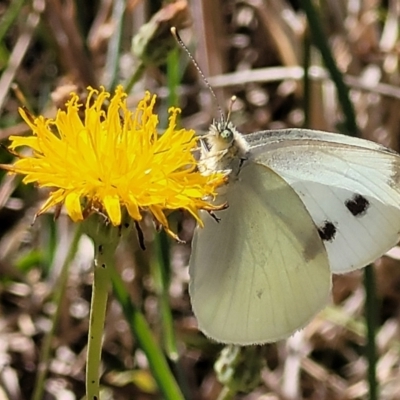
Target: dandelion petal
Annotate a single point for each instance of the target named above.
(113, 207)
(73, 206)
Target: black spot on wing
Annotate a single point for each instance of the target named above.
(357, 205)
(327, 232)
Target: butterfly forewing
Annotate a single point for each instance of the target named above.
(286, 137)
(262, 272)
(350, 187)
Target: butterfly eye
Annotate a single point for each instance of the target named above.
(226, 134)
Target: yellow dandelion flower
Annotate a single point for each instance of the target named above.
(113, 160)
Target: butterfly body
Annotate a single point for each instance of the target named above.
(301, 205)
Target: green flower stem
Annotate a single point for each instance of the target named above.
(102, 264)
(57, 300)
(144, 336)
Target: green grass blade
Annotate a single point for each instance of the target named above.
(319, 39)
(371, 320)
(9, 17)
(114, 46)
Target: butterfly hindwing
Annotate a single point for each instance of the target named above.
(262, 271)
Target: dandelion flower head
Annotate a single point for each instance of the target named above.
(114, 159)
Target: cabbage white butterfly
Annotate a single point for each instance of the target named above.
(302, 204)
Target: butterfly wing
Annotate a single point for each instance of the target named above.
(350, 186)
(261, 272)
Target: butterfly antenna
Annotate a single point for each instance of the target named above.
(175, 34)
(231, 103)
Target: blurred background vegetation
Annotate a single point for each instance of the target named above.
(257, 50)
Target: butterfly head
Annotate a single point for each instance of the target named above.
(221, 135)
(224, 147)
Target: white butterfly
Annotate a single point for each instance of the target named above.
(302, 205)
